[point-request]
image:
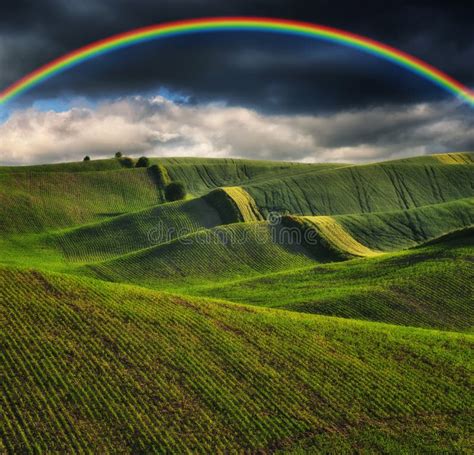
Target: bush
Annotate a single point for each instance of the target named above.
(87, 158)
(160, 174)
(126, 162)
(175, 191)
(118, 155)
(143, 161)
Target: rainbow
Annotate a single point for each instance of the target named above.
(220, 24)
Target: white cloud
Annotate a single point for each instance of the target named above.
(158, 127)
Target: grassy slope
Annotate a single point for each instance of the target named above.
(233, 204)
(369, 234)
(326, 231)
(40, 198)
(389, 231)
(202, 175)
(228, 252)
(388, 186)
(429, 286)
(36, 202)
(229, 165)
(76, 166)
(384, 231)
(247, 249)
(135, 231)
(116, 368)
(193, 264)
(111, 367)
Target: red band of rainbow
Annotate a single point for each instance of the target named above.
(239, 24)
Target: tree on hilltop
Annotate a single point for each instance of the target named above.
(175, 191)
(143, 161)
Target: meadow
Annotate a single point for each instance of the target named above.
(278, 308)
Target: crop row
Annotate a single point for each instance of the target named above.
(426, 287)
(102, 367)
(135, 231)
(364, 189)
(233, 251)
(36, 202)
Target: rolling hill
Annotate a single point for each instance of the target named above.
(279, 308)
(111, 367)
(429, 286)
(379, 187)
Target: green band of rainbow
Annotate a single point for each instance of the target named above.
(239, 24)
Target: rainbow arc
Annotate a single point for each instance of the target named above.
(221, 24)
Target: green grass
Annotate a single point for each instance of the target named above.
(237, 167)
(228, 252)
(391, 231)
(130, 325)
(429, 286)
(243, 250)
(77, 166)
(138, 230)
(117, 368)
(381, 187)
(234, 205)
(329, 233)
(41, 198)
(37, 202)
(200, 175)
(131, 232)
(37, 199)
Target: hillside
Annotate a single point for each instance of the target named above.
(99, 199)
(37, 198)
(390, 231)
(380, 187)
(278, 308)
(229, 252)
(36, 202)
(117, 368)
(429, 286)
(56, 196)
(135, 231)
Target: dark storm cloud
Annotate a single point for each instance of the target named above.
(270, 73)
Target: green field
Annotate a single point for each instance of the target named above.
(280, 308)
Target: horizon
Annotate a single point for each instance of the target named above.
(184, 157)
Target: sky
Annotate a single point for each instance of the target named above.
(239, 94)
